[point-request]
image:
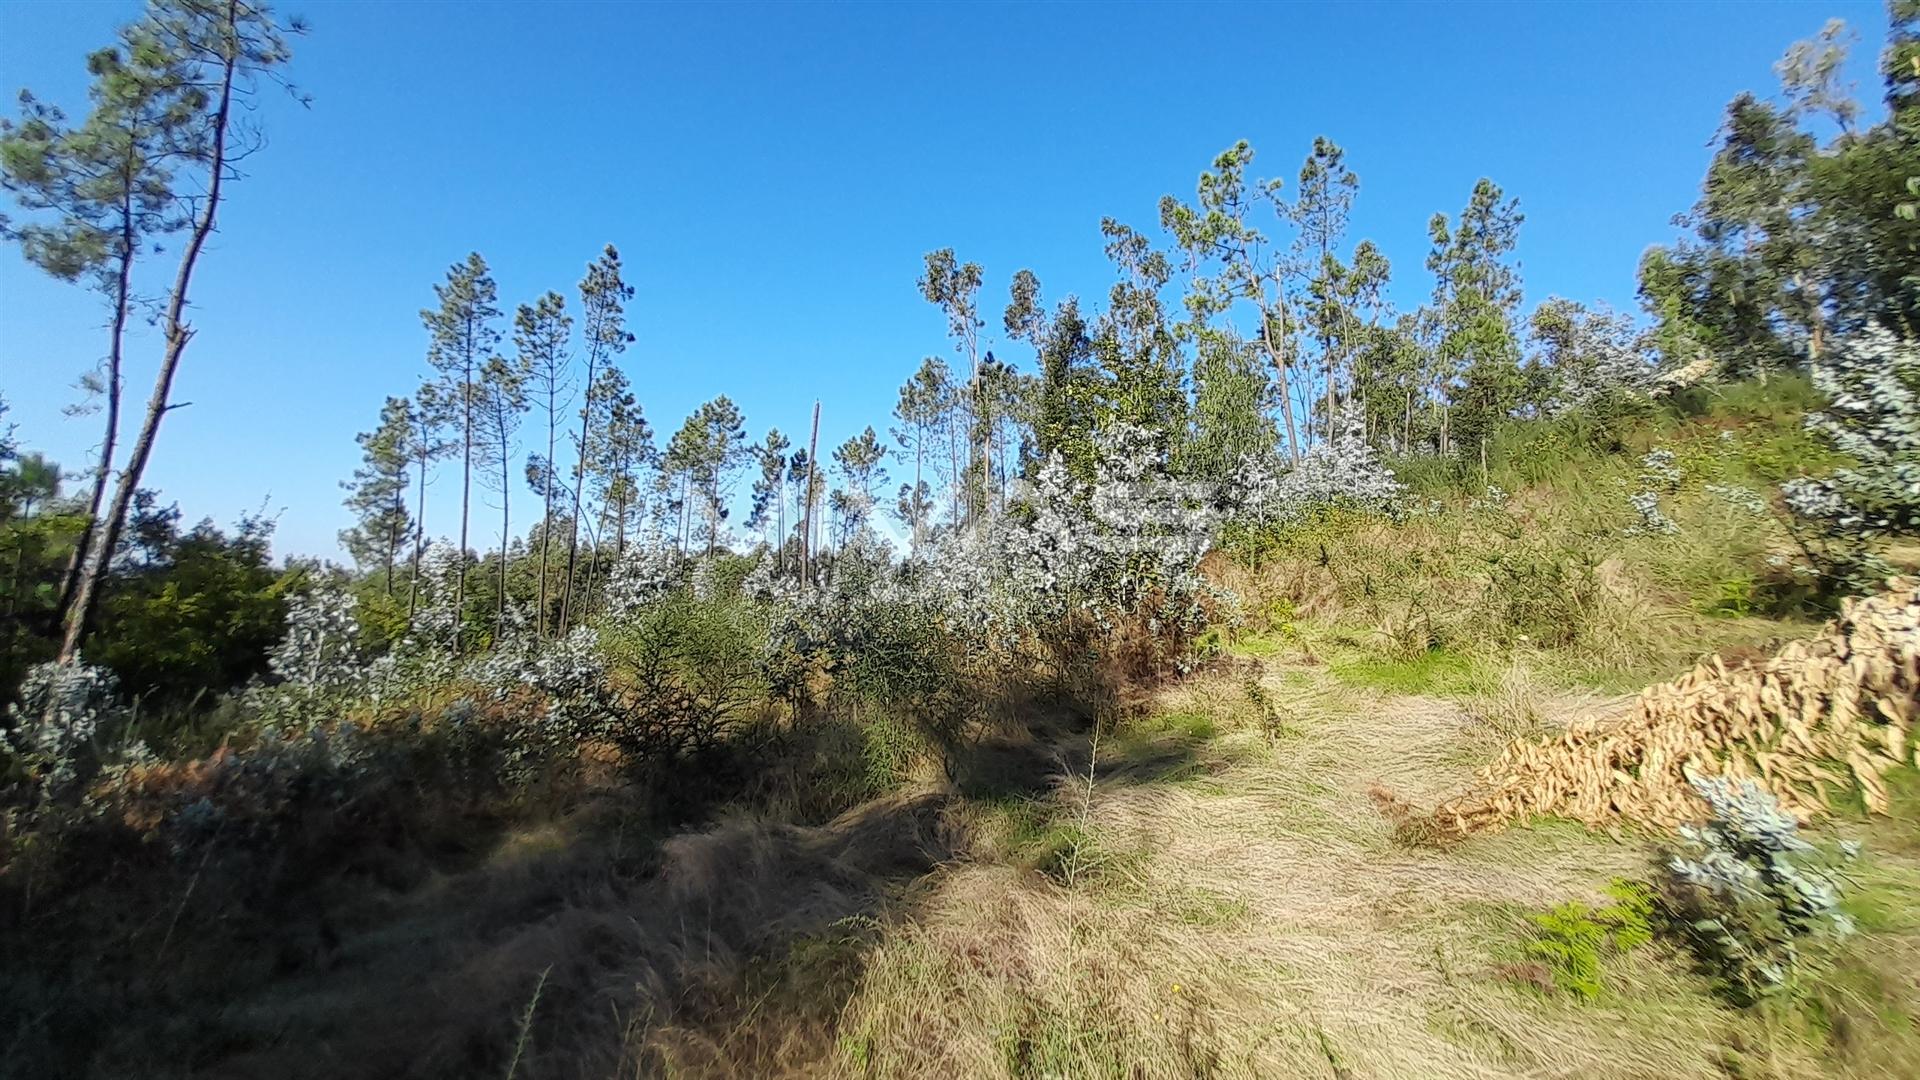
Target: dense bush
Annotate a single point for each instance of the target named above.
(1341, 477)
(191, 614)
(48, 742)
(1872, 415)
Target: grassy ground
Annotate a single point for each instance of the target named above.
(1210, 888)
(1204, 889)
(1235, 906)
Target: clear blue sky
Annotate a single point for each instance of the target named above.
(773, 175)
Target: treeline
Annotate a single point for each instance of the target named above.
(1249, 327)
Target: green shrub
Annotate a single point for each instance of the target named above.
(1572, 938)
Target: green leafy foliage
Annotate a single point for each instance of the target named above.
(193, 612)
(1573, 938)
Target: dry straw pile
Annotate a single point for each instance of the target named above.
(1820, 719)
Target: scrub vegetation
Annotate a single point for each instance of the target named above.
(1263, 682)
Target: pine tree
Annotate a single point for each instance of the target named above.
(203, 60)
(1064, 419)
(1135, 345)
(100, 195)
(603, 303)
(1214, 235)
(770, 492)
(1359, 291)
(622, 448)
(680, 464)
(922, 399)
(461, 339)
(1476, 293)
(429, 445)
(722, 447)
(859, 461)
(954, 288)
(500, 402)
(798, 467)
(1231, 420)
(541, 332)
(1320, 210)
(377, 494)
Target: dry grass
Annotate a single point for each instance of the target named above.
(1206, 889)
(1190, 893)
(1265, 923)
(639, 967)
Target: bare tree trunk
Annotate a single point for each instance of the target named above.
(546, 512)
(1280, 376)
(506, 533)
(953, 466)
(974, 434)
(813, 469)
(686, 512)
(122, 291)
(178, 333)
(466, 496)
(713, 513)
(593, 566)
(393, 537)
(419, 537)
(579, 482)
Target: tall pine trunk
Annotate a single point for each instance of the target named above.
(806, 529)
(579, 481)
(506, 533)
(466, 490)
(546, 517)
(1279, 362)
(178, 334)
(122, 294)
(419, 535)
(684, 537)
(393, 532)
(593, 568)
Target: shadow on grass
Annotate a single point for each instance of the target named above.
(599, 941)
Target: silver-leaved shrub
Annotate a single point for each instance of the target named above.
(47, 744)
(1344, 473)
(1872, 383)
(1749, 892)
(319, 662)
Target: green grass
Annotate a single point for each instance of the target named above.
(1440, 672)
(1258, 646)
(1194, 726)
